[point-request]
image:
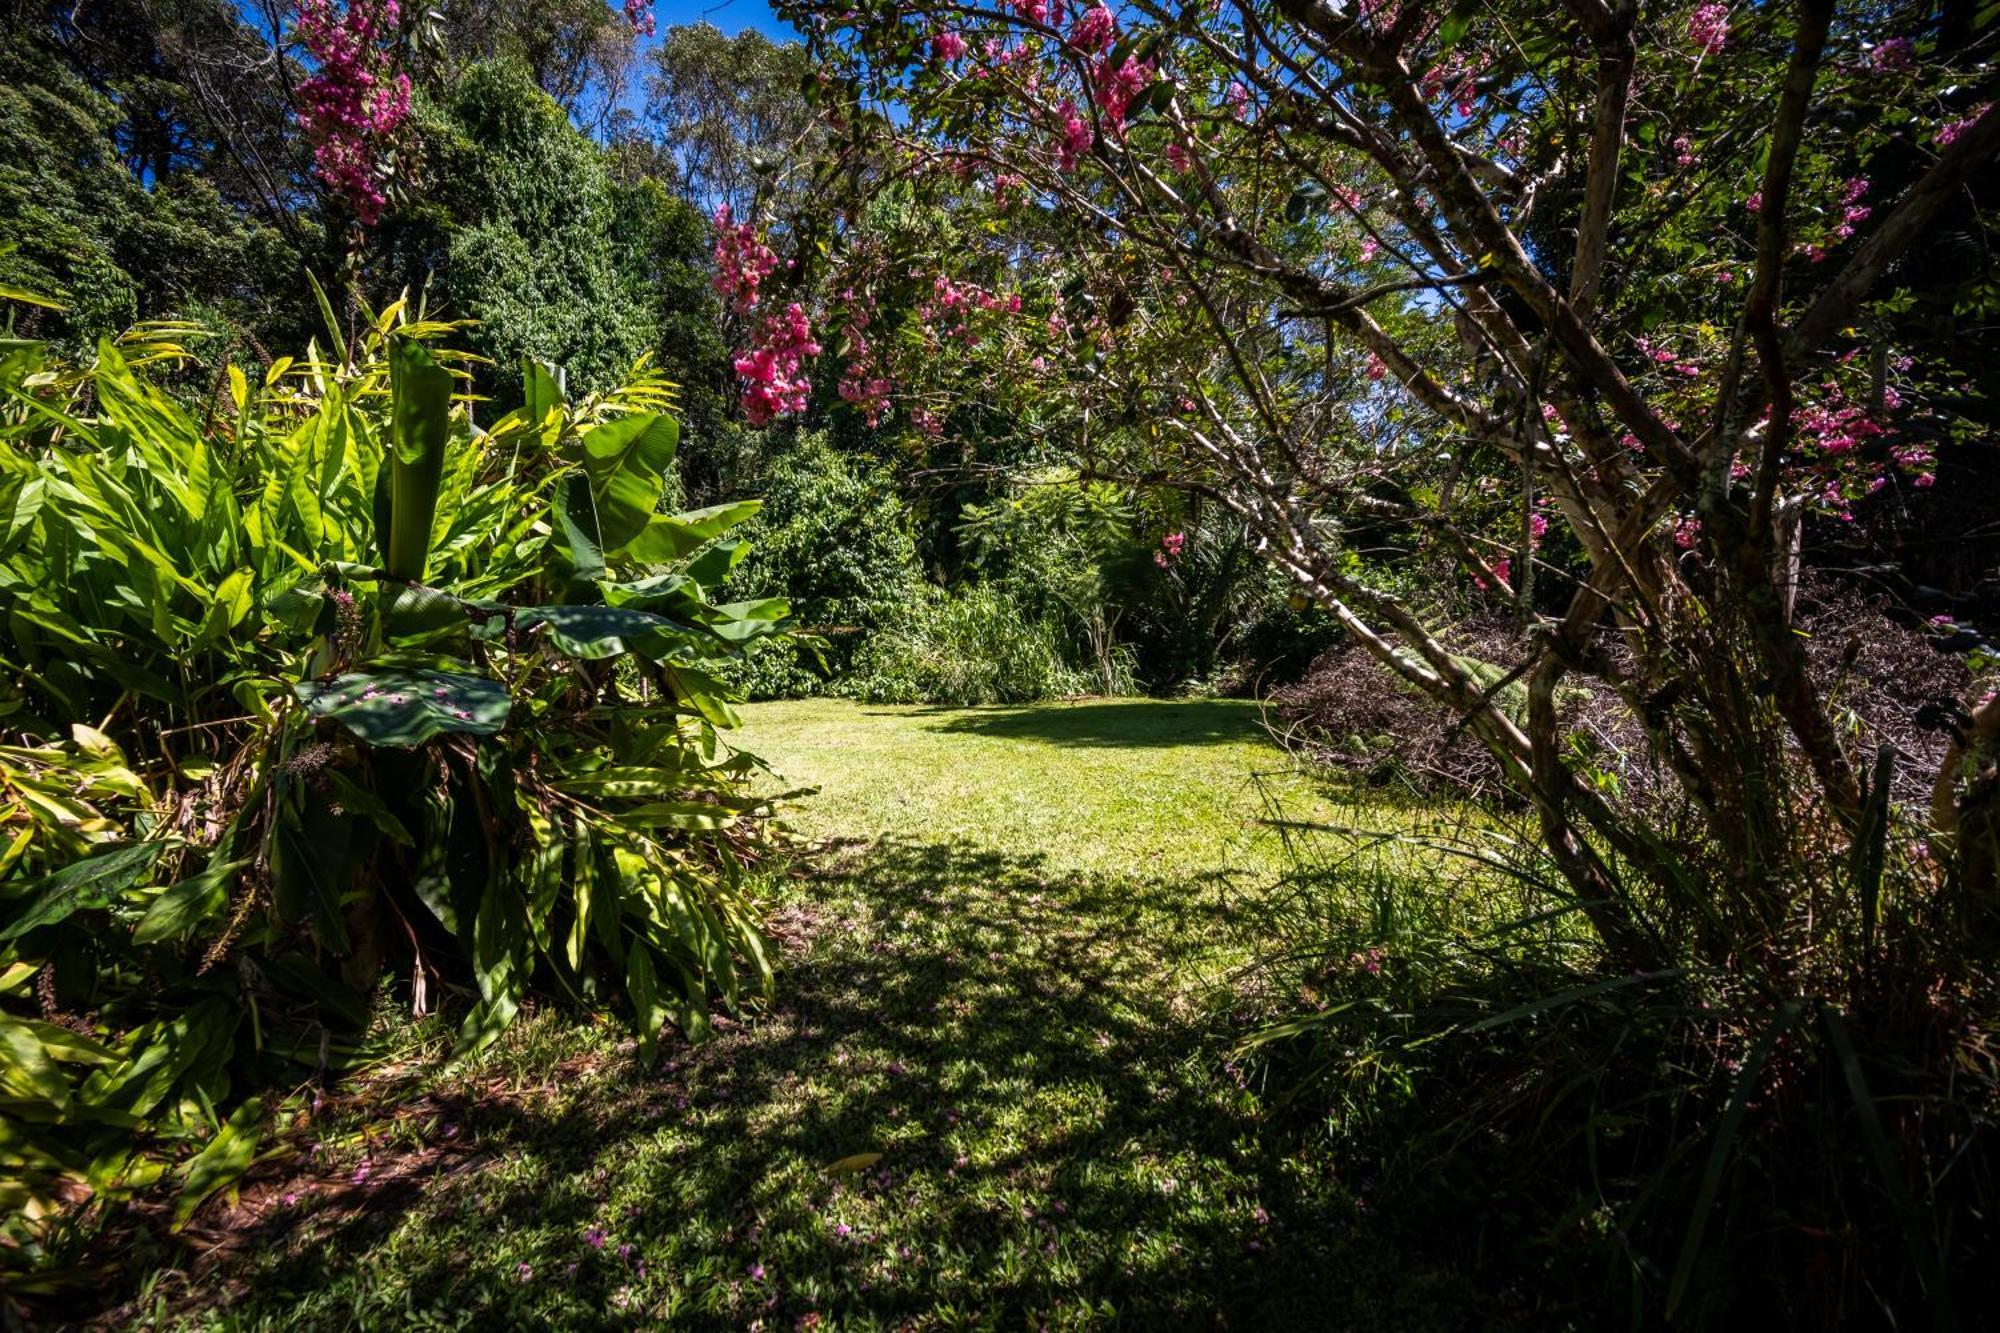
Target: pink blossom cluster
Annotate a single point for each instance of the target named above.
(1832, 435)
(349, 106)
(1094, 30)
(1668, 359)
(1456, 74)
(947, 46)
(1116, 88)
(742, 261)
(1179, 158)
(1171, 546)
(947, 314)
(1040, 11)
(1947, 135)
(639, 13)
(1503, 570)
(862, 382)
(1076, 135)
(1893, 56)
(1708, 26)
(1852, 213)
(773, 369)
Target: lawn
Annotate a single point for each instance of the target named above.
(991, 1091)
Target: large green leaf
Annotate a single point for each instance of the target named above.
(311, 854)
(593, 632)
(407, 708)
(184, 906)
(222, 1161)
(94, 882)
(420, 429)
(670, 537)
(626, 461)
(575, 512)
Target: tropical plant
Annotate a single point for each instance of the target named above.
(320, 681)
(1055, 543)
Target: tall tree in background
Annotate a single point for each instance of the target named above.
(577, 51)
(733, 115)
(148, 165)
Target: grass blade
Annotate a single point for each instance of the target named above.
(1930, 1269)
(1725, 1140)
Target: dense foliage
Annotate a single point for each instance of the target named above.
(1593, 403)
(1613, 320)
(315, 683)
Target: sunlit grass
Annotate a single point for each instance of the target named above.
(1118, 786)
(997, 973)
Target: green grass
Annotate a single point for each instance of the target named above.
(999, 974)
(1117, 787)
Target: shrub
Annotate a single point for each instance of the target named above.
(527, 233)
(834, 540)
(969, 646)
(327, 684)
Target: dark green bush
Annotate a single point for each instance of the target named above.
(973, 645)
(833, 539)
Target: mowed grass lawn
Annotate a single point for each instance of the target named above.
(992, 1090)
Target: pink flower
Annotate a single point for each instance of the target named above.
(1898, 53)
(1376, 367)
(742, 261)
(1237, 98)
(1076, 136)
(1370, 247)
(349, 106)
(1094, 31)
(1687, 532)
(1503, 570)
(1117, 87)
(775, 383)
(1179, 158)
(639, 13)
(1173, 542)
(1708, 26)
(947, 45)
(1755, 203)
(1948, 135)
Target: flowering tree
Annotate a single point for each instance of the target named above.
(356, 96)
(1610, 275)
(353, 101)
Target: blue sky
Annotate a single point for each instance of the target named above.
(732, 16)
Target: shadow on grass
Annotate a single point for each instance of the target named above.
(1120, 725)
(1057, 1136)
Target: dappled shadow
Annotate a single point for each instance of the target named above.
(1113, 725)
(1056, 1135)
